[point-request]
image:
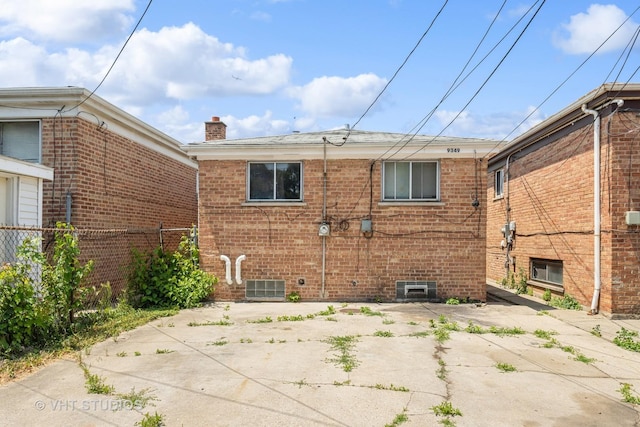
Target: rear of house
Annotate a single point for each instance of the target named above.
(342, 215)
(544, 221)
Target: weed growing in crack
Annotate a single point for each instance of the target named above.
(384, 334)
(545, 335)
(441, 373)
(502, 332)
(627, 339)
(263, 320)
(368, 312)
(94, 383)
(474, 329)
(628, 395)
(155, 420)
(344, 345)
(505, 367)
(401, 418)
(138, 399)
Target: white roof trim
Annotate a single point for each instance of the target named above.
(11, 166)
(37, 103)
(361, 145)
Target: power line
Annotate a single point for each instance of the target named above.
(115, 60)
(553, 92)
(397, 71)
(495, 69)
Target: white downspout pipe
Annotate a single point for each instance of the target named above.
(597, 284)
(227, 262)
(238, 271)
(324, 215)
(596, 208)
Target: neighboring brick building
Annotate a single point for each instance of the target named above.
(543, 182)
(306, 212)
(111, 170)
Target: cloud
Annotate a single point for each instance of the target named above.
(495, 126)
(254, 126)
(65, 20)
(175, 63)
(338, 96)
(585, 32)
(184, 62)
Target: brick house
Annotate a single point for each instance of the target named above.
(543, 218)
(378, 216)
(110, 170)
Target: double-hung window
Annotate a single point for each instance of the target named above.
(419, 181)
(274, 181)
(20, 140)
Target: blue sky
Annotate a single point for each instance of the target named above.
(270, 67)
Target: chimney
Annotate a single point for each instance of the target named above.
(215, 129)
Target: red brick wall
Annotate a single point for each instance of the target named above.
(551, 200)
(115, 182)
(443, 243)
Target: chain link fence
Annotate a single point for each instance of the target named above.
(110, 250)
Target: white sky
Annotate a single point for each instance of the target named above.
(273, 66)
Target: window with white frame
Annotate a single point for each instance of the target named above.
(419, 181)
(20, 140)
(548, 271)
(498, 186)
(274, 181)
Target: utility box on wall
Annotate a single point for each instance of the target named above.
(632, 217)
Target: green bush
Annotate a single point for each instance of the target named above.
(62, 279)
(23, 319)
(165, 279)
(33, 312)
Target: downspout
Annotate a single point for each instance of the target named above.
(596, 204)
(596, 208)
(324, 214)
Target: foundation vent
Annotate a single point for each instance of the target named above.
(415, 290)
(265, 289)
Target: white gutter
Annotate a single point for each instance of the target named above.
(596, 204)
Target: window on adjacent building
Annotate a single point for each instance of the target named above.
(20, 140)
(498, 186)
(275, 181)
(546, 271)
(411, 181)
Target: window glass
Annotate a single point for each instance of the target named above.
(20, 140)
(410, 181)
(275, 181)
(546, 271)
(499, 183)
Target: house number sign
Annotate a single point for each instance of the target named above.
(453, 150)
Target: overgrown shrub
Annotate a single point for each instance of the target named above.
(23, 319)
(63, 277)
(516, 281)
(38, 298)
(168, 279)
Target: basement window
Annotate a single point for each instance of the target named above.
(415, 290)
(547, 271)
(265, 289)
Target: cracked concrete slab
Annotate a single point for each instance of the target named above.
(226, 365)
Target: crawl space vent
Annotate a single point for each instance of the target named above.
(415, 290)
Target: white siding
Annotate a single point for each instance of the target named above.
(29, 202)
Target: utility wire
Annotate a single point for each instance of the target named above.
(483, 83)
(456, 83)
(396, 73)
(114, 61)
(553, 92)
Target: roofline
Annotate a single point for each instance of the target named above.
(71, 101)
(594, 100)
(359, 145)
